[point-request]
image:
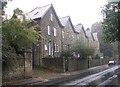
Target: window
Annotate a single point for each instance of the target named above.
(78, 37)
(60, 42)
(51, 17)
(52, 51)
(55, 48)
(45, 47)
(68, 35)
(73, 36)
(64, 47)
(63, 34)
(37, 45)
(55, 32)
(49, 48)
(36, 13)
(48, 30)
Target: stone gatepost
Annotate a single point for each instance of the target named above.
(28, 64)
(63, 64)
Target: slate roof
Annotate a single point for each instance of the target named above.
(3, 0)
(95, 36)
(64, 20)
(38, 12)
(88, 32)
(78, 27)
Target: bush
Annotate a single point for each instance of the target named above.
(83, 50)
(66, 53)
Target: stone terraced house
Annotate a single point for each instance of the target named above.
(90, 38)
(50, 43)
(69, 35)
(96, 43)
(58, 34)
(82, 34)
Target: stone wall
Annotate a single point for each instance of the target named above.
(21, 68)
(53, 63)
(77, 64)
(98, 62)
(14, 72)
(28, 65)
(71, 64)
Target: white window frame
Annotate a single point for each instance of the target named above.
(48, 30)
(63, 36)
(65, 47)
(52, 51)
(72, 36)
(57, 48)
(45, 47)
(51, 17)
(78, 38)
(49, 48)
(55, 32)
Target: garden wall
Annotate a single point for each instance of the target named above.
(19, 68)
(53, 63)
(72, 64)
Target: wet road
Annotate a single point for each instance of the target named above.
(101, 78)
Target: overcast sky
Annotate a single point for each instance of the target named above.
(86, 12)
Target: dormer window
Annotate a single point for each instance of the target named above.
(36, 13)
(51, 17)
(48, 30)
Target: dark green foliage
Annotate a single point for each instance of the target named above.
(111, 22)
(16, 38)
(83, 50)
(79, 48)
(108, 49)
(97, 56)
(67, 53)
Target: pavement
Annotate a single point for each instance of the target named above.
(62, 77)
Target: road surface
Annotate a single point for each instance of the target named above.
(102, 78)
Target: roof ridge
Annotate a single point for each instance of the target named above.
(45, 6)
(33, 10)
(64, 17)
(39, 7)
(80, 24)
